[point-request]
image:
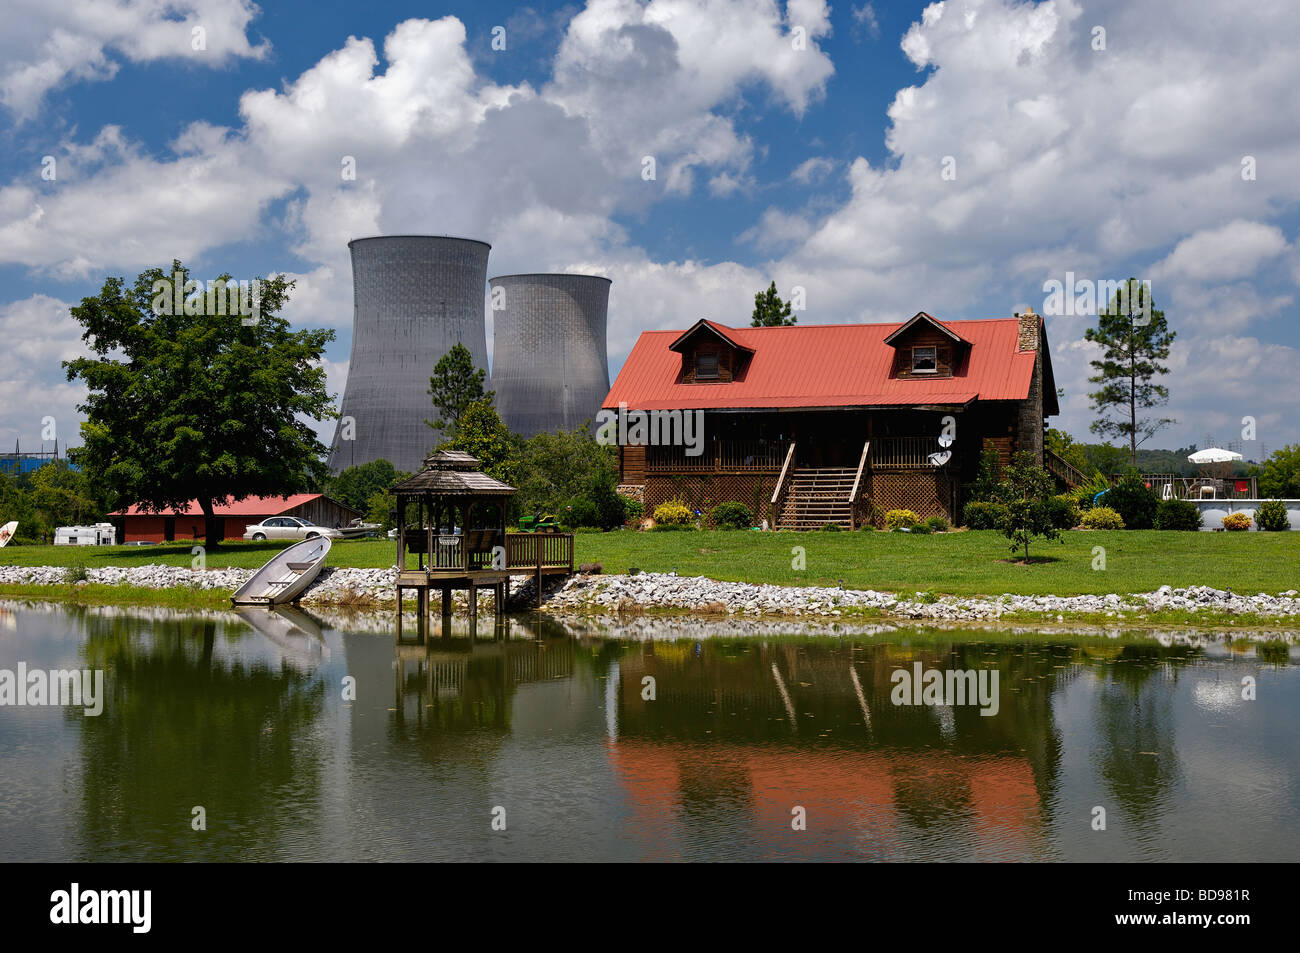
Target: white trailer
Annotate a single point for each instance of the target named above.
(101, 534)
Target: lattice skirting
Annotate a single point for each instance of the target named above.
(924, 492)
(705, 492)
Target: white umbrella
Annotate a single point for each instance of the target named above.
(1214, 455)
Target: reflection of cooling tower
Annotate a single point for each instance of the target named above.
(414, 296)
(549, 367)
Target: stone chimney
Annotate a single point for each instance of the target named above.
(1029, 324)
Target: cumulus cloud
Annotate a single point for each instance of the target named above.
(45, 45)
(39, 334)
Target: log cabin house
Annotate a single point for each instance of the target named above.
(816, 424)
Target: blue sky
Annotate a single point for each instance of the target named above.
(949, 157)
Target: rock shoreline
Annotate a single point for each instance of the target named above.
(699, 594)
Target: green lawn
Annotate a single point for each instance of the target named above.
(965, 563)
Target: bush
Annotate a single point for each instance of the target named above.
(1062, 512)
(1177, 514)
(1083, 495)
(77, 572)
(981, 515)
(732, 515)
(671, 527)
(1272, 515)
(1102, 517)
(920, 529)
(674, 513)
(580, 511)
(1133, 501)
(830, 527)
(937, 523)
(633, 510)
(896, 518)
(1236, 522)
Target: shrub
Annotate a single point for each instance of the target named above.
(920, 529)
(981, 515)
(1083, 494)
(1272, 515)
(1102, 517)
(732, 515)
(1062, 512)
(896, 518)
(1177, 514)
(633, 510)
(674, 513)
(77, 572)
(1236, 522)
(937, 523)
(1133, 501)
(580, 511)
(671, 527)
(830, 527)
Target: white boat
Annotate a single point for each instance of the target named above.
(285, 576)
(7, 532)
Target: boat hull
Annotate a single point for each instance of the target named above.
(286, 575)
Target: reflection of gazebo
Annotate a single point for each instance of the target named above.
(457, 533)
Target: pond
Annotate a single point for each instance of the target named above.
(267, 736)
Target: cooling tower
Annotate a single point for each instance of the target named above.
(414, 296)
(549, 366)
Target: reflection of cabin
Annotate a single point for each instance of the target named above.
(452, 518)
(816, 424)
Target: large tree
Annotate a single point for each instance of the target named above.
(1280, 478)
(770, 311)
(1135, 341)
(456, 383)
(194, 403)
(356, 485)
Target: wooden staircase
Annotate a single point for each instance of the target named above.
(818, 496)
(1066, 474)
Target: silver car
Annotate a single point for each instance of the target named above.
(288, 527)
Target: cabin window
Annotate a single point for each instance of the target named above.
(706, 366)
(924, 360)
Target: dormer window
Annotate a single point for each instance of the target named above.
(706, 366)
(925, 360)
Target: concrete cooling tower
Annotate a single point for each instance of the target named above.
(549, 366)
(414, 296)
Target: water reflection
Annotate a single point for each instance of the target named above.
(640, 747)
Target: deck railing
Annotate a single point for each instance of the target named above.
(903, 452)
(718, 455)
(1200, 487)
(556, 550)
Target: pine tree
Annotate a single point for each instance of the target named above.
(1135, 340)
(770, 311)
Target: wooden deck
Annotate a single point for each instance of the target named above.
(479, 559)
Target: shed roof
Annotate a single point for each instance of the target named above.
(248, 506)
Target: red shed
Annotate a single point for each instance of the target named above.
(138, 524)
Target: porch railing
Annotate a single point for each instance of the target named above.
(903, 452)
(737, 455)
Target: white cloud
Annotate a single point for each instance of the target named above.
(45, 45)
(1234, 250)
(39, 334)
(812, 170)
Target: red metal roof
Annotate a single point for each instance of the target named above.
(826, 365)
(248, 506)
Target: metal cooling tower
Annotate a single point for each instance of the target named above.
(549, 366)
(414, 296)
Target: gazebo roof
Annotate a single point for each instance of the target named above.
(452, 473)
(452, 460)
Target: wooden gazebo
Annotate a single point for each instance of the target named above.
(457, 533)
